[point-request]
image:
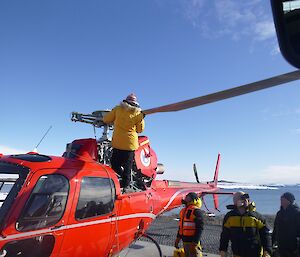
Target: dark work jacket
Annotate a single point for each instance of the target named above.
(287, 228)
(248, 233)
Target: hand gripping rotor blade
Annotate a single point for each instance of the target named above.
(228, 93)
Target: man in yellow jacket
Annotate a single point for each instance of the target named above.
(128, 121)
(246, 229)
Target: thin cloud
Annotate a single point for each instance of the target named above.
(8, 150)
(235, 19)
(282, 174)
(192, 10)
(275, 49)
(282, 111)
(295, 131)
(264, 30)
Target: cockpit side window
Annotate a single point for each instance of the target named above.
(12, 178)
(46, 203)
(97, 197)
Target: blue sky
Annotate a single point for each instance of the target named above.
(62, 56)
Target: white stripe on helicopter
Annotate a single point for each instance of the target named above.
(95, 222)
(172, 199)
(84, 224)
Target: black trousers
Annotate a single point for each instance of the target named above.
(288, 253)
(121, 162)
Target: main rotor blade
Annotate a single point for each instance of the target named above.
(228, 93)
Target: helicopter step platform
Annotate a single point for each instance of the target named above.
(148, 249)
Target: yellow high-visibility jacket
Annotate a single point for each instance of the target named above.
(128, 122)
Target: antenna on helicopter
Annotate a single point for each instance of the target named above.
(35, 149)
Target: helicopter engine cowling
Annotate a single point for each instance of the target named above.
(82, 148)
(145, 158)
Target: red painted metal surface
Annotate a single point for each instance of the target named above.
(104, 235)
(145, 158)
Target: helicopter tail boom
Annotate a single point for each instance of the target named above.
(175, 191)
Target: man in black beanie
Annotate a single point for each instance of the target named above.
(286, 233)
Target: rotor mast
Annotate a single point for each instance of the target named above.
(104, 142)
(95, 119)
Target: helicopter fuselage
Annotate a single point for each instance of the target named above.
(63, 206)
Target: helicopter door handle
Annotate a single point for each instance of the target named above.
(57, 227)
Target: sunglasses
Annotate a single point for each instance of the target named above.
(245, 196)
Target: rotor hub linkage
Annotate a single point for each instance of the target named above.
(95, 118)
(104, 142)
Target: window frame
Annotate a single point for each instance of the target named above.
(9, 200)
(53, 219)
(286, 47)
(113, 197)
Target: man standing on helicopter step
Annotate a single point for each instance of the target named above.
(191, 226)
(128, 121)
(246, 229)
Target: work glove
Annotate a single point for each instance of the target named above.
(196, 246)
(266, 254)
(196, 243)
(222, 254)
(177, 242)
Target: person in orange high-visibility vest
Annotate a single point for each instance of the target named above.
(191, 226)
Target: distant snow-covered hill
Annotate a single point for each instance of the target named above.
(239, 185)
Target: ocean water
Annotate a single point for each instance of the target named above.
(267, 200)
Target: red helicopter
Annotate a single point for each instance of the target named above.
(73, 205)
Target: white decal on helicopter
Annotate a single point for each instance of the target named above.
(145, 157)
(79, 225)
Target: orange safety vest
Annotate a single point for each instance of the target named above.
(187, 226)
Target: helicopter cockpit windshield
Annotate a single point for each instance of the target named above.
(6, 184)
(12, 178)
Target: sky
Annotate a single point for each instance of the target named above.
(61, 56)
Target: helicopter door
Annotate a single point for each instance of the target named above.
(40, 213)
(135, 213)
(90, 224)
